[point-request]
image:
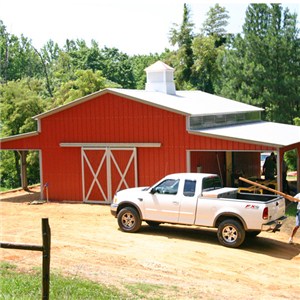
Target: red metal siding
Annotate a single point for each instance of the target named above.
(113, 119)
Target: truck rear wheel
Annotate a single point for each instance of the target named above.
(129, 219)
(231, 233)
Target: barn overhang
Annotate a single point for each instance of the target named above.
(281, 137)
(269, 134)
(21, 137)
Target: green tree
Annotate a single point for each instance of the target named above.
(18, 58)
(205, 69)
(116, 67)
(182, 36)
(20, 100)
(262, 67)
(216, 22)
(208, 46)
(86, 82)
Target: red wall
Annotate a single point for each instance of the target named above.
(112, 119)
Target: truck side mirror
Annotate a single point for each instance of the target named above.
(153, 191)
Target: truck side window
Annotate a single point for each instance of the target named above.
(189, 188)
(169, 186)
(211, 183)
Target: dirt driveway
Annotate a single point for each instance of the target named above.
(187, 262)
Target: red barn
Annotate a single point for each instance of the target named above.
(119, 138)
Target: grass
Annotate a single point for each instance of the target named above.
(291, 209)
(17, 285)
(28, 286)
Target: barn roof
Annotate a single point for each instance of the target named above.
(265, 133)
(191, 103)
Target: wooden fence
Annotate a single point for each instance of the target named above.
(45, 248)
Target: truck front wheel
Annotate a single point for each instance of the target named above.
(129, 220)
(231, 233)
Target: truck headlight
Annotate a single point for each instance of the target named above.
(115, 200)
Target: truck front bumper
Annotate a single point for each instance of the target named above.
(114, 209)
(274, 225)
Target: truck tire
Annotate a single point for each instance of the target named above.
(231, 233)
(129, 219)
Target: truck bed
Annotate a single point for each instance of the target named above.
(256, 197)
(232, 193)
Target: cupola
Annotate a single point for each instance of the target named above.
(160, 78)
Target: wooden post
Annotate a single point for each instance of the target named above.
(45, 248)
(23, 165)
(286, 196)
(46, 232)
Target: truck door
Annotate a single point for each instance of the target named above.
(188, 203)
(163, 202)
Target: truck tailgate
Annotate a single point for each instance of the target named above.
(276, 208)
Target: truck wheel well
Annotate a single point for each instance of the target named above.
(221, 218)
(129, 204)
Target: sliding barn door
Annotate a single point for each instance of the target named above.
(107, 170)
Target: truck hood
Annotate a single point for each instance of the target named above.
(132, 191)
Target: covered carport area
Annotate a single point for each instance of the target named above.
(275, 137)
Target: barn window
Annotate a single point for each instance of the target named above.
(209, 121)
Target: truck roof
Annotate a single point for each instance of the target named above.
(193, 176)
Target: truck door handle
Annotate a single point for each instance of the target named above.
(175, 202)
(140, 199)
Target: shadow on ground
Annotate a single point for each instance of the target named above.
(262, 245)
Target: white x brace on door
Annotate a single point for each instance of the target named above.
(107, 170)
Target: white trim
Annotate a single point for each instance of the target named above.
(108, 172)
(82, 174)
(111, 145)
(39, 126)
(188, 161)
(135, 168)
(41, 175)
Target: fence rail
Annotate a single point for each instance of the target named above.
(45, 248)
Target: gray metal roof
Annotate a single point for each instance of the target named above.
(188, 102)
(264, 133)
(184, 102)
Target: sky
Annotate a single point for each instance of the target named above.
(132, 26)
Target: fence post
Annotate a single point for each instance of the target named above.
(46, 233)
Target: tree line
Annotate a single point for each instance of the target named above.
(259, 66)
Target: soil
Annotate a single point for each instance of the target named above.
(181, 262)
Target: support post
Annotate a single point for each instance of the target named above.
(46, 258)
(23, 165)
(45, 248)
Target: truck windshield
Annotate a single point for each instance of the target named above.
(211, 183)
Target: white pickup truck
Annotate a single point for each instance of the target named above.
(199, 199)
